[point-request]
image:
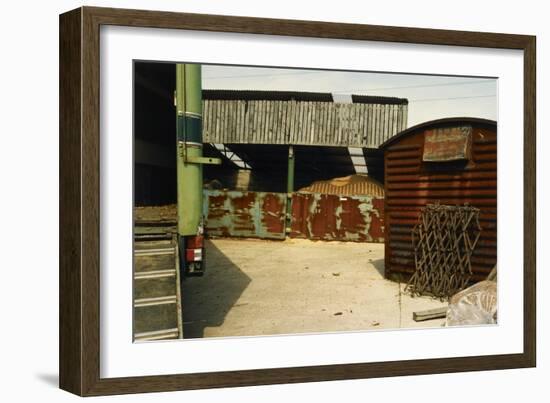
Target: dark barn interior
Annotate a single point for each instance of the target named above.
(155, 148)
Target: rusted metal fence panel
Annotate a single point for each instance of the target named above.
(245, 214)
(337, 218)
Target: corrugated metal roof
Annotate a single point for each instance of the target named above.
(255, 95)
(259, 95)
(370, 99)
(347, 186)
(301, 122)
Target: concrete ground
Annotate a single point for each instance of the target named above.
(257, 287)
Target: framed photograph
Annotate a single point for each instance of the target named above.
(248, 201)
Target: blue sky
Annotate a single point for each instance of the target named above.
(430, 97)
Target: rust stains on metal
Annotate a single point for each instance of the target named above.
(245, 214)
(273, 209)
(262, 215)
(242, 210)
(376, 229)
(411, 183)
(336, 218)
(447, 143)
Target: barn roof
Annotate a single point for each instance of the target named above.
(256, 95)
(301, 96)
(299, 118)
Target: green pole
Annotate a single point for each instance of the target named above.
(290, 171)
(289, 187)
(189, 147)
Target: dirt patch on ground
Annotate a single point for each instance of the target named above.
(257, 287)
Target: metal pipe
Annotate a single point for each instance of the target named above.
(189, 147)
(290, 171)
(289, 187)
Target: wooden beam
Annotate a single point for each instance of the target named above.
(430, 314)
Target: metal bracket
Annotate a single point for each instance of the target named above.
(182, 147)
(203, 160)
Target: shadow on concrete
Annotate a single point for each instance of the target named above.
(49, 379)
(379, 266)
(208, 299)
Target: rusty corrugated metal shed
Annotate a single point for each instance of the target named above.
(457, 178)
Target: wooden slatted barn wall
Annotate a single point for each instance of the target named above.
(410, 184)
(301, 122)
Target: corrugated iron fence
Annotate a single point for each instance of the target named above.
(337, 218)
(245, 214)
(314, 216)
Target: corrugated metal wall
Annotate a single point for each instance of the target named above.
(337, 218)
(314, 216)
(245, 214)
(412, 183)
(301, 122)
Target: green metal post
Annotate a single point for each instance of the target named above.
(189, 146)
(290, 171)
(289, 187)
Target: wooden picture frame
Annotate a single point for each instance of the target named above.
(79, 200)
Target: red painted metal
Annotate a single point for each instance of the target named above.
(337, 218)
(193, 248)
(194, 242)
(411, 183)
